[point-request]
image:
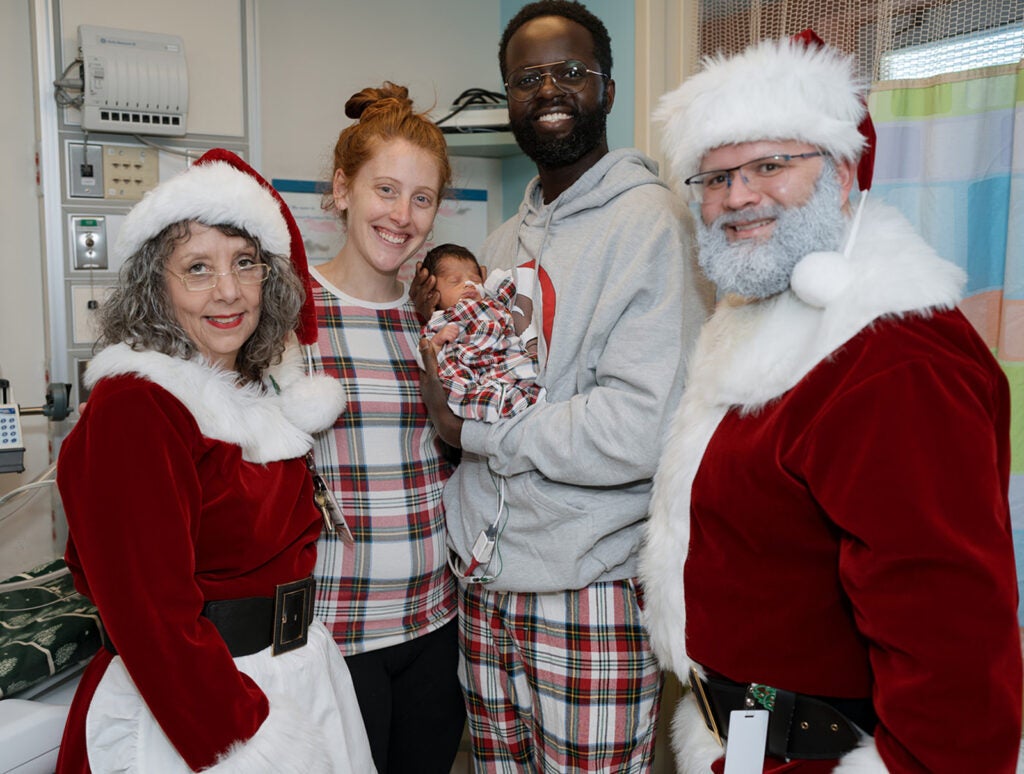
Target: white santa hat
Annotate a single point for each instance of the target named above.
(220, 189)
(789, 89)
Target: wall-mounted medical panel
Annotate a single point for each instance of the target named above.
(134, 82)
(86, 301)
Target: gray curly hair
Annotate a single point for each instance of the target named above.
(139, 311)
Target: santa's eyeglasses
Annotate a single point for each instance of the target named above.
(757, 174)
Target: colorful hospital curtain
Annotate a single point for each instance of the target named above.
(951, 158)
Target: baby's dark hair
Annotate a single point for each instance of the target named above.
(447, 250)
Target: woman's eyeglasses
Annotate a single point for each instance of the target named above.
(252, 274)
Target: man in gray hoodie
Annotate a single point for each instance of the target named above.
(546, 510)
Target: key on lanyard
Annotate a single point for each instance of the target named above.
(334, 521)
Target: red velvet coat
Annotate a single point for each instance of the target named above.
(162, 517)
(836, 483)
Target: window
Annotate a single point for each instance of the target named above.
(979, 49)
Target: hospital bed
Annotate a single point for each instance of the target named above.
(48, 632)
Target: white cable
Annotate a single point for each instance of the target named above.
(501, 502)
(486, 545)
(185, 153)
(41, 480)
(23, 488)
(856, 224)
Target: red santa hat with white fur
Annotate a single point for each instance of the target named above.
(790, 89)
(221, 189)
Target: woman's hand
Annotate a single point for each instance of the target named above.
(445, 421)
(423, 292)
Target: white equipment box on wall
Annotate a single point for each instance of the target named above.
(135, 82)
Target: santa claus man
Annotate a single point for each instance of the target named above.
(830, 546)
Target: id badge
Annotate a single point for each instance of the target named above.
(744, 749)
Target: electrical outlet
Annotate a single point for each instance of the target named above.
(129, 171)
(85, 170)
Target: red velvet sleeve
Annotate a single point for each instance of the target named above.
(912, 466)
(128, 480)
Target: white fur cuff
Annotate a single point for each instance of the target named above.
(864, 759)
(694, 745)
(286, 743)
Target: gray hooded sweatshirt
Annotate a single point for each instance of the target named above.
(616, 304)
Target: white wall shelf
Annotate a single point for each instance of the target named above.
(483, 144)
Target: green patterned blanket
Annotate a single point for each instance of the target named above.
(44, 629)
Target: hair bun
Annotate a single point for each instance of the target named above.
(382, 114)
(388, 95)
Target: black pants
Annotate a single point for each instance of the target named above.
(411, 702)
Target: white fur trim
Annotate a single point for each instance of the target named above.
(863, 759)
(761, 350)
(748, 354)
(286, 743)
(667, 539)
(214, 193)
(694, 746)
(267, 426)
(774, 90)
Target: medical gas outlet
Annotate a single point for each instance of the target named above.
(90, 238)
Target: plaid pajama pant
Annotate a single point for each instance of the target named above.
(558, 682)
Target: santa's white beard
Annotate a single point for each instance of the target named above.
(762, 268)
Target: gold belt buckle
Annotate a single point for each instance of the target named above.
(293, 612)
(697, 686)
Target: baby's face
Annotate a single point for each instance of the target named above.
(455, 281)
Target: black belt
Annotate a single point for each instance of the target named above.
(250, 624)
(799, 726)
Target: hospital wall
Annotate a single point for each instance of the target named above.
(22, 312)
(280, 89)
(314, 54)
(307, 57)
